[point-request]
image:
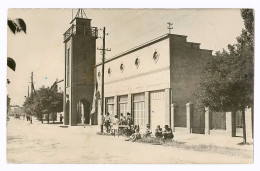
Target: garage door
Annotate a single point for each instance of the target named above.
(157, 109)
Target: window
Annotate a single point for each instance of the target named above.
(109, 71)
(123, 105)
(139, 110)
(68, 68)
(99, 74)
(110, 107)
(122, 67)
(137, 62)
(156, 56)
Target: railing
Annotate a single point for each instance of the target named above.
(81, 30)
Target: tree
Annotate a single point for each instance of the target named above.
(46, 101)
(15, 25)
(227, 79)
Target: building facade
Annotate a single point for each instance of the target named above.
(154, 82)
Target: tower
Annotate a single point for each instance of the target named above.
(80, 55)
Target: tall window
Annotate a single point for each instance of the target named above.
(68, 68)
(110, 107)
(123, 105)
(139, 110)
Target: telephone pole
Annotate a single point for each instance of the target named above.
(170, 27)
(28, 92)
(103, 64)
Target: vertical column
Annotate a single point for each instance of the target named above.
(99, 117)
(172, 116)
(129, 103)
(231, 123)
(207, 121)
(248, 121)
(147, 106)
(74, 112)
(167, 106)
(188, 114)
(115, 106)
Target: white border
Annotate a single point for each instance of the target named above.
(117, 4)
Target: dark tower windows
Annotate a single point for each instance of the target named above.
(68, 68)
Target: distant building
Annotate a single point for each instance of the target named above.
(15, 109)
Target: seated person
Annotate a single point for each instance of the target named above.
(123, 120)
(167, 133)
(136, 135)
(148, 131)
(158, 132)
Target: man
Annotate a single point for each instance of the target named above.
(167, 133)
(61, 117)
(158, 132)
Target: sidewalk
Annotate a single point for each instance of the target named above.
(213, 140)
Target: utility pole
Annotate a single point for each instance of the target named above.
(28, 92)
(32, 87)
(170, 27)
(103, 64)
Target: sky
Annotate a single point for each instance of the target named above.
(41, 50)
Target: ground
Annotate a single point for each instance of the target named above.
(50, 143)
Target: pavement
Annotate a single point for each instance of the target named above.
(51, 143)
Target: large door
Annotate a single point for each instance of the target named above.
(140, 118)
(157, 109)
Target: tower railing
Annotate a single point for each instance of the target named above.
(81, 30)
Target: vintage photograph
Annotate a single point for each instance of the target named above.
(130, 86)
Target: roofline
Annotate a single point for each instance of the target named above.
(153, 41)
(165, 36)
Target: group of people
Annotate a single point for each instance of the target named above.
(132, 131)
(122, 120)
(165, 134)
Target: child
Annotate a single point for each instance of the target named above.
(158, 132)
(148, 131)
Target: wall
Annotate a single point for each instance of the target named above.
(185, 60)
(150, 75)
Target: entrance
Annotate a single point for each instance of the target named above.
(157, 109)
(83, 112)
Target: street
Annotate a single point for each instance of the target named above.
(50, 143)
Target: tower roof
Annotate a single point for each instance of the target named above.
(80, 14)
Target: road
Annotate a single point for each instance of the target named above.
(50, 143)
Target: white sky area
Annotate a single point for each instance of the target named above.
(41, 50)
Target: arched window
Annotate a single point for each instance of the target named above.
(137, 62)
(122, 67)
(156, 56)
(109, 71)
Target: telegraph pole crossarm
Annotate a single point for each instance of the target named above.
(170, 27)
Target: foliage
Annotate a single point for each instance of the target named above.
(227, 79)
(45, 101)
(16, 26)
